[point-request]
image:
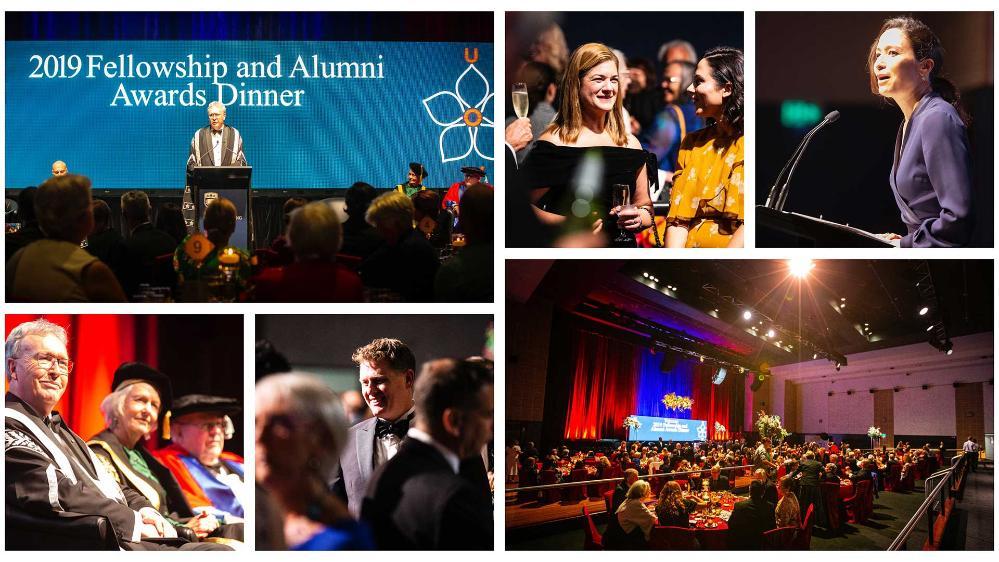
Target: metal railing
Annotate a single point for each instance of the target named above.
(611, 480)
(936, 498)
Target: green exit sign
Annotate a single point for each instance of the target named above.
(798, 114)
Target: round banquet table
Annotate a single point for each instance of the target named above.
(845, 489)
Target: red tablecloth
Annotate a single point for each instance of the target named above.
(845, 489)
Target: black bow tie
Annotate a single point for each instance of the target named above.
(218, 132)
(398, 428)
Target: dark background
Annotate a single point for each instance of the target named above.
(822, 58)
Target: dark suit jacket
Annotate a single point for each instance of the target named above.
(747, 524)
(139, 253)
(415, 501)
(812, 472)
(357, 462)
(720, 484)
(931, 177)
(620, 492)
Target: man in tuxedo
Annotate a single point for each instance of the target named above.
(50, 471)
(419, 500)
(750, 519)
(387, 372)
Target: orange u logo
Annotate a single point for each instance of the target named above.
(474, 57)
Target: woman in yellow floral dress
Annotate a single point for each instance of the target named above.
(706, 202)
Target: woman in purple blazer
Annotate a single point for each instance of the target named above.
(931, 173)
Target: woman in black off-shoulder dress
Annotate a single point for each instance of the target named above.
(585, 151)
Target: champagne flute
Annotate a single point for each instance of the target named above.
(520, 100)
(621, 197)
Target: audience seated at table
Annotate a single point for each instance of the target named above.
(672, 509)
(405, 263)
(750, 519)
(788, 512)
(314, 237)
(56, 268)
(634, 518)
(139, 261)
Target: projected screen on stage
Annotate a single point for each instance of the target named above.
(312, 114)
(670, 429)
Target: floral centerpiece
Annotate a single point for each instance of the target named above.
(770, 426)
(678, 403)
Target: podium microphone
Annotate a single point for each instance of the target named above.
(778, 196)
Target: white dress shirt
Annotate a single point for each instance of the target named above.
(386, 447)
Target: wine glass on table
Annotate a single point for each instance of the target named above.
(520, 100)
(621, 199)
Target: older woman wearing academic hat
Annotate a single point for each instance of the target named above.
(138, 394)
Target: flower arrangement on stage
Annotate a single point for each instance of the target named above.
(678, 403)
(632, 422)
(876, 435)
(770, 426)
(721, 432)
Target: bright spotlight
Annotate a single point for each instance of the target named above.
(747, 315)
(800, 267)
(770, 333)
(923, 311)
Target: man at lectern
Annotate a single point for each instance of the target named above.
(214, 145)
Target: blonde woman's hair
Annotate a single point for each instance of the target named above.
(569, 120)
(391, 207)
(639, 490)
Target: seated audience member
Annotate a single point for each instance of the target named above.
(170, 219)
(301, 429)
(717, 481)
(131, 413)
(788, 512)
(280, 245)
(750, 519)
(769, 490)
(360, 239)
(419, 499)
(49, 470)
(672, 509)
(211, 479)
(621, 490)
(29, 230)
(468, 275)
(208, 268)
(434, 223)
(56, 268)
(314, 237)
(405, 263)
(143, 244)
(634, 518)
(105, 242)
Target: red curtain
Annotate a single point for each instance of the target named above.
(98, 344)
(715, 402)
(604, 384)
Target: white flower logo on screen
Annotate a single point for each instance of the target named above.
(462, 120)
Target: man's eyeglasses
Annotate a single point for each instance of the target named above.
(48, 361)
(207, 427)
